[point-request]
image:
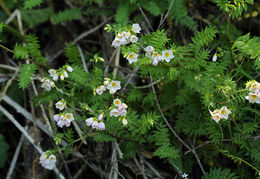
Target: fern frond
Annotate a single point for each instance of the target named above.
(33, 47)
(25, 74)
(180, 14)
(66, 15)
(218, 173)
(204, 37)
(20, 52)
(122, 13)
(72, 53)
(29, 4)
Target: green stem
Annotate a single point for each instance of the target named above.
(30, 60)
(240, 159)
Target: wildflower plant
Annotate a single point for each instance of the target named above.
(176, 99)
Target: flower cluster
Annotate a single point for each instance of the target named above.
(254, 92)
(96, 123)
(47, 84)
(48, 161)
(62, 73)
(216, 115)
(166, 55)
(119, 110)
(112, 86)
(61, 104)
(63, 119)
(125, 38)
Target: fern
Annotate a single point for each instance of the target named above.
(248, 47)
(29, 4)
(122, 13)
(66, 15)
(25, 74)
(218, 173)
(72, 53)
(152, 7)
(166, 151)
(36, 16)
(20, 52)
(33, 47)
(180, 14)
(204, 37)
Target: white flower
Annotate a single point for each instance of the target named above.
(47, 84)
(254, 86)
(254, 97)
(214, 58)
(136, 28)
(114, 112)
(224, 112)
(133, 39)
(100, 89)
(122, 112)
(69, 117)
(69, 68)
(132, 57)
(215, 115)
(100, 117)
(126, 35)
(47, 162)
(60, 105)
(184, 175)
(89, 121)
(53, 74)
(114, 86)
(106, 82)
(124, 121)
(117, 102)
(101, 126)
(52, 84)
(66, 75)
(63, 120)
(167, 55)
(156, 58)
(94, 125)
(149, 49)
(124, 105)
(116, 42)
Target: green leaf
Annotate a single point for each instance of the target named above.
(29, 4)
(25, 74)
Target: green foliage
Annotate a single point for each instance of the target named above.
(33, 47)
(218, 173)
(180, 14)
(204, 37)
(66, 15)
(122, 13)
(25, 75)
(29, 4)
(249, 48)
(72, 53)
(20, 52)
(34, 17)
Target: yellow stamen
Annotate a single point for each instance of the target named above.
(167, 54)
(113, 84)
(131, 56)
(253, 96)
(223, 112)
